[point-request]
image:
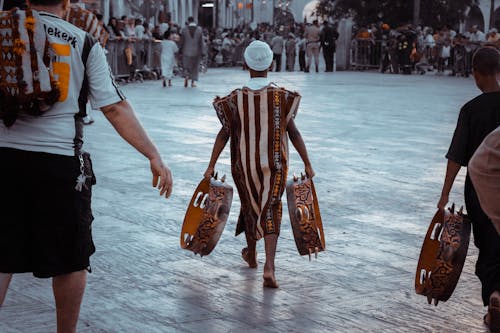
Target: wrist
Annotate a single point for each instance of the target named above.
(153, 156)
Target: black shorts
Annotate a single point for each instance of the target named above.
(45, 224)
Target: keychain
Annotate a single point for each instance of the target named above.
(80, 180)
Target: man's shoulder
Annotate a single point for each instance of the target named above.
(479, 103)
(230, 96)
(481, 99)
(49, 19)
(287, 92)
(58, 29)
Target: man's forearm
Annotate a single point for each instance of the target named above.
(122, 117)
(452, 170)
(220, 143)
(298, 142)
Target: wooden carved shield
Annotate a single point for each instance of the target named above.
(305, 216)
(206, 216)
(443, 255)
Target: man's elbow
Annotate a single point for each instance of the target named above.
(115, 108)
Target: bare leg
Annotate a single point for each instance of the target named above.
(270, 244)
(249, 253)
(68, 293)
(4, 285)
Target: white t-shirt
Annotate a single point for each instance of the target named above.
(53, 131)
(139, 31)
(445, 51)
(257, 83)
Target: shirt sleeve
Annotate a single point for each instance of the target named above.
(223, 109)
(103, 90)
(293, 101)
(458, 147)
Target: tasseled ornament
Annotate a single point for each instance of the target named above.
(30, 23)
(19, 47)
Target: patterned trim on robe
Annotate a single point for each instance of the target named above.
(256, 121)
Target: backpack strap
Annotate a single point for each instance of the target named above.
(83, 97)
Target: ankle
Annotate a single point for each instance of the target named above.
(269, 266)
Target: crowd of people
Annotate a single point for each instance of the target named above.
(408, 49)
(292, 44)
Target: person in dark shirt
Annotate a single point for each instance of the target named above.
(477, 119)
(328, 38)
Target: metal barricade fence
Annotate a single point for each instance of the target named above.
(376, 54)
(366, 53)
(146, 56)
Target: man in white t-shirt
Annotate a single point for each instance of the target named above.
(476, 35)
(45, 196)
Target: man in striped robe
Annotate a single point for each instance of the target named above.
(259, 119)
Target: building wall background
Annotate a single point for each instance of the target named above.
(231, 13)
(483, 15)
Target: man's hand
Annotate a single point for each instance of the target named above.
(162, 176)
(309, 171)
(442, 201)
(208, 173)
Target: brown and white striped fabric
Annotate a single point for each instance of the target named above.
(256, 121)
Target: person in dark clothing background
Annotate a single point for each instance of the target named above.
(191, 48)
(477, 119)
(328, 38)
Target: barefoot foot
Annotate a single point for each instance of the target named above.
(270, 282)
(269, 278)
(249, 258)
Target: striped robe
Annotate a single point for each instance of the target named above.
(256, 122)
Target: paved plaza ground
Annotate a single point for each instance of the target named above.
(377, 143)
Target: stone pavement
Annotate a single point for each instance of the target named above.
(377, 143)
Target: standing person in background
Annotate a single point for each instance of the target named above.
(290, 47)
(140, 46)
(112, 28)
(191, 49)
(302, 53)
(130, 27)
(139, 28)
(478, 118)
(46, 216)
(404, 51)
(328, 38)
(311, 35)
(130, 49)
(476, 37)
(493, 37)
(444, 56)
(162, 27)
(168, 50)
(277, 44)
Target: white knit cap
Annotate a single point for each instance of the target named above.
(258, 55)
